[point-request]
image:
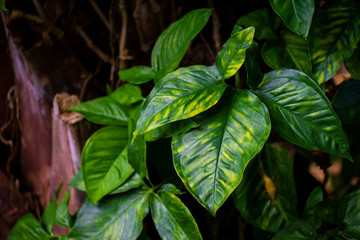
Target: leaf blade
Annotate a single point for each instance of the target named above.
(137, 74)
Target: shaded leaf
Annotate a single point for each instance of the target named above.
(78, 182)
(171, 45)
(127, 94)
(137, 74)
(49, 215)
(352, 64)
(180, 95)
(252, 65)
(171, 188)
(2, 5)
(172, 218)
(232, 54)
(210, 159)
(28, 227)
(301, 113)
(63, 216)
(115, 217)
(134, 181)
(104, 161)
(296, 14)
(266, 197)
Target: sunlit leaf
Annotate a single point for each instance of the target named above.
(28, 228)
(127, 94)
(211, 159)
(301, 113)
(63, 216)
(137, 75)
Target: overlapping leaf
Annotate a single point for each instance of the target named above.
(352, 64)
(49, 215)
(335, 37)
(252, 65)
(172, 218)
(232, 54)
(29, 228)
(116, 217)
(63, 216)
(134, 181)
(267, 197)
(137, 75)
(296, 14)
(301, 113)
(210, 159)
(127, 94)
(104, 161)
(171, 46)
(180, 95)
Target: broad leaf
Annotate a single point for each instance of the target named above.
(77, 181)
(211, 159)
(137, 75)
(134, 181)
(352, 64)
(335, 36)
(63, 216)
(171, 46)
(180, 95)
(28, 227)
(172, 218)
(2, 5)
(115, 217)
(301, 113)
(103, 110)
(127, 94)
(171, 188)
(49, 215)
(264, 21)
(104, 161)
(232, 54)
(252, 65)
(266, 197)
(296, 14)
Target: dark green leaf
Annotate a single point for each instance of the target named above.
(134, 181)
(266, 197)
(264, 21)
(28, 228)
(127, 94)
(63, 216)
(77, 181)
(115, 217)
(57, 192)
(104, 161)
(172, 218)
(232, 54)
(137, 75)
(49, 215)
(210, 159)
(252, 65)
(352, 64)
(335, 36)
(301, 113)
(103, 110)
(296, 14)
(327, 210)
(180, 95)
(2, 5)
(171, 188)
(171, 46)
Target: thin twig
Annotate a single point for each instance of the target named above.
(136, 14)
(100, 14)
(122, 42)
(207, 46)
(87, 80)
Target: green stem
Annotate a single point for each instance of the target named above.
(237, 80)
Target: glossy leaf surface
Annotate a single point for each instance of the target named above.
(49, 215)
(28, 227)
(264, 21)
(301, 113)
(171, 46)
(77, 181)
(63, 216)
(335, 37)
(232, 54)
(103, 110)
(210, 159)
(115, 217)
(180, 95)
(252, 65)
(137, 75)
(352, 64)
(127, 94)
(134, 181)
(267, 197)
(171, 188)
(104, 161)
(296, 14)
(172, 218)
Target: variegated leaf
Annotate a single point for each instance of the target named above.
(232, 54)
(352, 64)
(301, 113)
(180, 95)
(211, 159)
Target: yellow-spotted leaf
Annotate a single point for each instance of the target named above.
(232, 54)
(180, 95)
(335, 36)
(301, 113)
(104, 161)
(211, 159)
(115, 217)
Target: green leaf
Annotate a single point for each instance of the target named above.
(252, 65)
(103, 110)
(171, 46)
(134, 181)
(352, 64)
(296, 14)
(49, 215)
(127, 94)
(211, 159)
(301, 113)
(180, 95)
(2, 5)
(335, 36)
(63, 216)
(264, 21)
(115, 217)
(29, 228)
(232, 54)
(346, 102)
(266, 197)
(171, 188)
(137, 75)
(327, 210)
(78, 182)
(104, 161)
(172, 218)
